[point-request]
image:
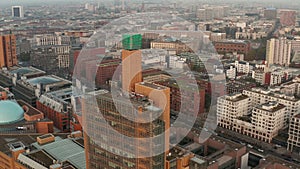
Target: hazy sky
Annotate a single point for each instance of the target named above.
(4, 3)
(27, 2)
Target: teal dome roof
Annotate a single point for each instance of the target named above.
(10, 112)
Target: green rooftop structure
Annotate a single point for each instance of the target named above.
(132, 42)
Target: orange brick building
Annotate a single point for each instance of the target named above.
(56, 106)
(8, 53)
(146, 98)
(131, 69)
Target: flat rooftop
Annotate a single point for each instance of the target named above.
(175, 153)
(198, 160)
(153, 86)
(63, 94)
(44, 80)
(237, 84)
(5, 140)
(26, 139)
(233, 41)
(271, 160)
(271, 106)
(273, 94)
(64, 150)
(42, 157)
(236, 97)
(26, 71)
(136, 100)
(49, 80)
(224, 159)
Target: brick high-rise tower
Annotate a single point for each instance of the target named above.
(131, 61)
(8, 54)
(142, 114)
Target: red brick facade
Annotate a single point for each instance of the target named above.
(60, 120)
(232, 46)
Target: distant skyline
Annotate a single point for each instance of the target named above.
(277, 3)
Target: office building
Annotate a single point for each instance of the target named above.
(278, 51)
(97, 153)
(212, 12)
(145, 99)
(53, 59)
(8, 77)
(105, 71)
(288, 17)
(177, 94)
(17, 11)
(160, 77)
(8, 53)
(30, 90)
(270, 13)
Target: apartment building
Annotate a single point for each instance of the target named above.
(294, 134)
(51, 39)
(291, 87)
(278, 51)
(260, 96)
(231, 107)
(270, 117)
(244, 67)
(170, 44)
(262, 123)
